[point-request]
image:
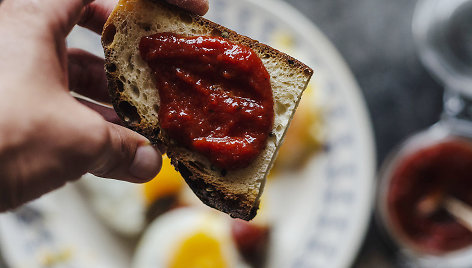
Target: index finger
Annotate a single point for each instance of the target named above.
(96, 13)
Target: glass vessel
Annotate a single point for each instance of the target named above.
(442, 30)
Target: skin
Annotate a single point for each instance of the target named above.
(48, 138)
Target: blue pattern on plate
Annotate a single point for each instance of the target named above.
(328, 228)
(318, 245)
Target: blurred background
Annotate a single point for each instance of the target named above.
(375, 38)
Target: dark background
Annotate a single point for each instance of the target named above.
(375, 39)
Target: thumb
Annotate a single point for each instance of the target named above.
(127, 156)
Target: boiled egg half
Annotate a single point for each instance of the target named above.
(189, 238)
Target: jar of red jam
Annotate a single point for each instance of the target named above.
(415, 180)
(434, 167)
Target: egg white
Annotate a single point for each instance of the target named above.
(166, 234)
(120, 205)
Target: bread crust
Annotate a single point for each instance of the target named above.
(207, 182)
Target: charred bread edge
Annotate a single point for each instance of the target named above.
(235, 206)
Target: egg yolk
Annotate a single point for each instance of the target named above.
(166, 183)
(199, 251)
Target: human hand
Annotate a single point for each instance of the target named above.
(48, 138)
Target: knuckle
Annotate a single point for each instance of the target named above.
(98, 137)
(100, 149)
(117, 156)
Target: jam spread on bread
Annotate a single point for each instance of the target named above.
(419, 183)
(215, 96)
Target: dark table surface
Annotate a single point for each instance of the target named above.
(375, 39)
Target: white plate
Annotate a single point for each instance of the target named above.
(324, 213)
(321, 216)
(58, 230)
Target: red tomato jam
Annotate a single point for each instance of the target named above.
(215, 96)
(440, 170)
(251, 240)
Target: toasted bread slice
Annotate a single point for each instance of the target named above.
(136, 99)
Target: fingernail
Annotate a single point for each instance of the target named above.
(146, 164)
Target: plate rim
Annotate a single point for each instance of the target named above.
(314, 35)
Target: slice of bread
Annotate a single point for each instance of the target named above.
(136, 99)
